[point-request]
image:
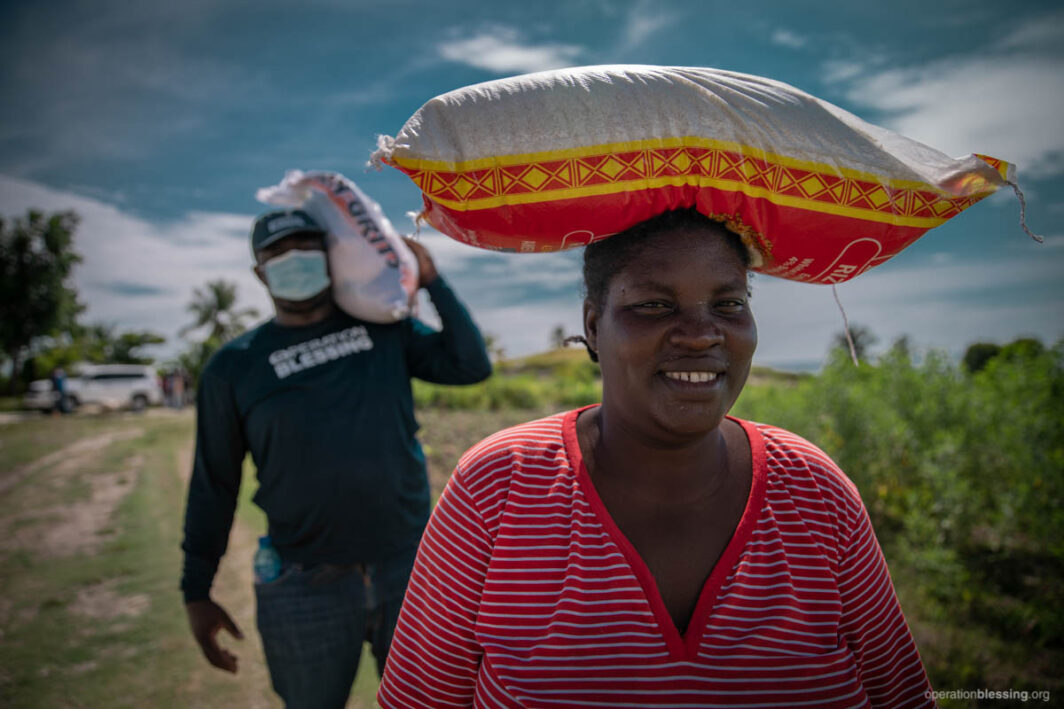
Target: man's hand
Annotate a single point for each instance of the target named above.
(425, 266)
(206, 619)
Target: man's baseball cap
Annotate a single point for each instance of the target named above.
(280, 223)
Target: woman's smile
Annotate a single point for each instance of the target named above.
(694, 380)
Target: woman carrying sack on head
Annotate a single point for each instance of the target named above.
(652, 551)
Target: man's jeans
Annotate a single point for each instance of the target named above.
(314, 620)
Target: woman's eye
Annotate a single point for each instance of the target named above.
(651, 306)
(731, 306)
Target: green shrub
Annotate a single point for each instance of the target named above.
(560, 378)
(962, 473)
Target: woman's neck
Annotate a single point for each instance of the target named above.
(677, 471)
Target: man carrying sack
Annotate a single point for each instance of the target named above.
(322, 401)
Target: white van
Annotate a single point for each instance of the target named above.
(131, 386)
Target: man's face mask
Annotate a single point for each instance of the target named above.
(297, 275)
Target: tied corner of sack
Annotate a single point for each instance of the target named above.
(290, 192)
(418, 218)
(1007, 173)
(383, 154)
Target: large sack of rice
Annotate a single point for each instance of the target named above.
(374, 274)
(558, 159)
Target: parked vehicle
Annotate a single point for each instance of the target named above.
(132, 386)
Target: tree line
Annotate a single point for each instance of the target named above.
(41, 314)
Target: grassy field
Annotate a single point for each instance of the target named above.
(90, 613)
(91, 507)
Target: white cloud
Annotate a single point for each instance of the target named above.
(502, 50)
(785, 38)
(526, 329)
(946, 305)
(840, 70)
(644, 20)
(1043, 33)
(168, 260)
(1005, 101)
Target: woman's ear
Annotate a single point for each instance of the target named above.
(591, 326)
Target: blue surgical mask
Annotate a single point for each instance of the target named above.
(297, 274)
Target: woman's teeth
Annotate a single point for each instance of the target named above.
(696, 377)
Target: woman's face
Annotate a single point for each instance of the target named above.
(674, 335)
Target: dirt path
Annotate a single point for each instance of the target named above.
(67, 458)
(63, 506)
(233, 588)
(69, 510)
(52, 527)
(47, 525)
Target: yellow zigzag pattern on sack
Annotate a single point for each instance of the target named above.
(619, 167)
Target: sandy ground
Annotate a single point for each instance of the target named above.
(49, 530)
(69, 528)
(46, 529)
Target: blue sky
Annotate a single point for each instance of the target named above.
(157, 123)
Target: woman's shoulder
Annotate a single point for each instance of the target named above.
(539, 444)
(797, 461)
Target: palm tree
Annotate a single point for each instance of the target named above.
(103, 343)
(215, 305)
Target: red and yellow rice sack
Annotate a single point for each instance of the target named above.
(558, 159)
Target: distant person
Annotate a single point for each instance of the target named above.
(59, 387)
(186, 386)
(177, 389)
(652, 551)
(323, 403)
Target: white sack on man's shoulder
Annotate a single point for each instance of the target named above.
(374, 274)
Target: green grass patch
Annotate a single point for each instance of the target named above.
(108, 628)
(564, 378)
(37, 436)
(561, 378)
(246, 511)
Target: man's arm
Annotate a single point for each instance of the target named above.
(454, 355)
(212, 495)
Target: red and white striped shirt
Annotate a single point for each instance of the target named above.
(526, 594)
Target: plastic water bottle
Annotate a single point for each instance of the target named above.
(267, 561)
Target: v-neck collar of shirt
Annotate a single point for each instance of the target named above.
(682, 648)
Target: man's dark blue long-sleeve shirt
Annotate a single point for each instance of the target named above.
(327, 414)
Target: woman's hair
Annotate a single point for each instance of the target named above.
(608, 257)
